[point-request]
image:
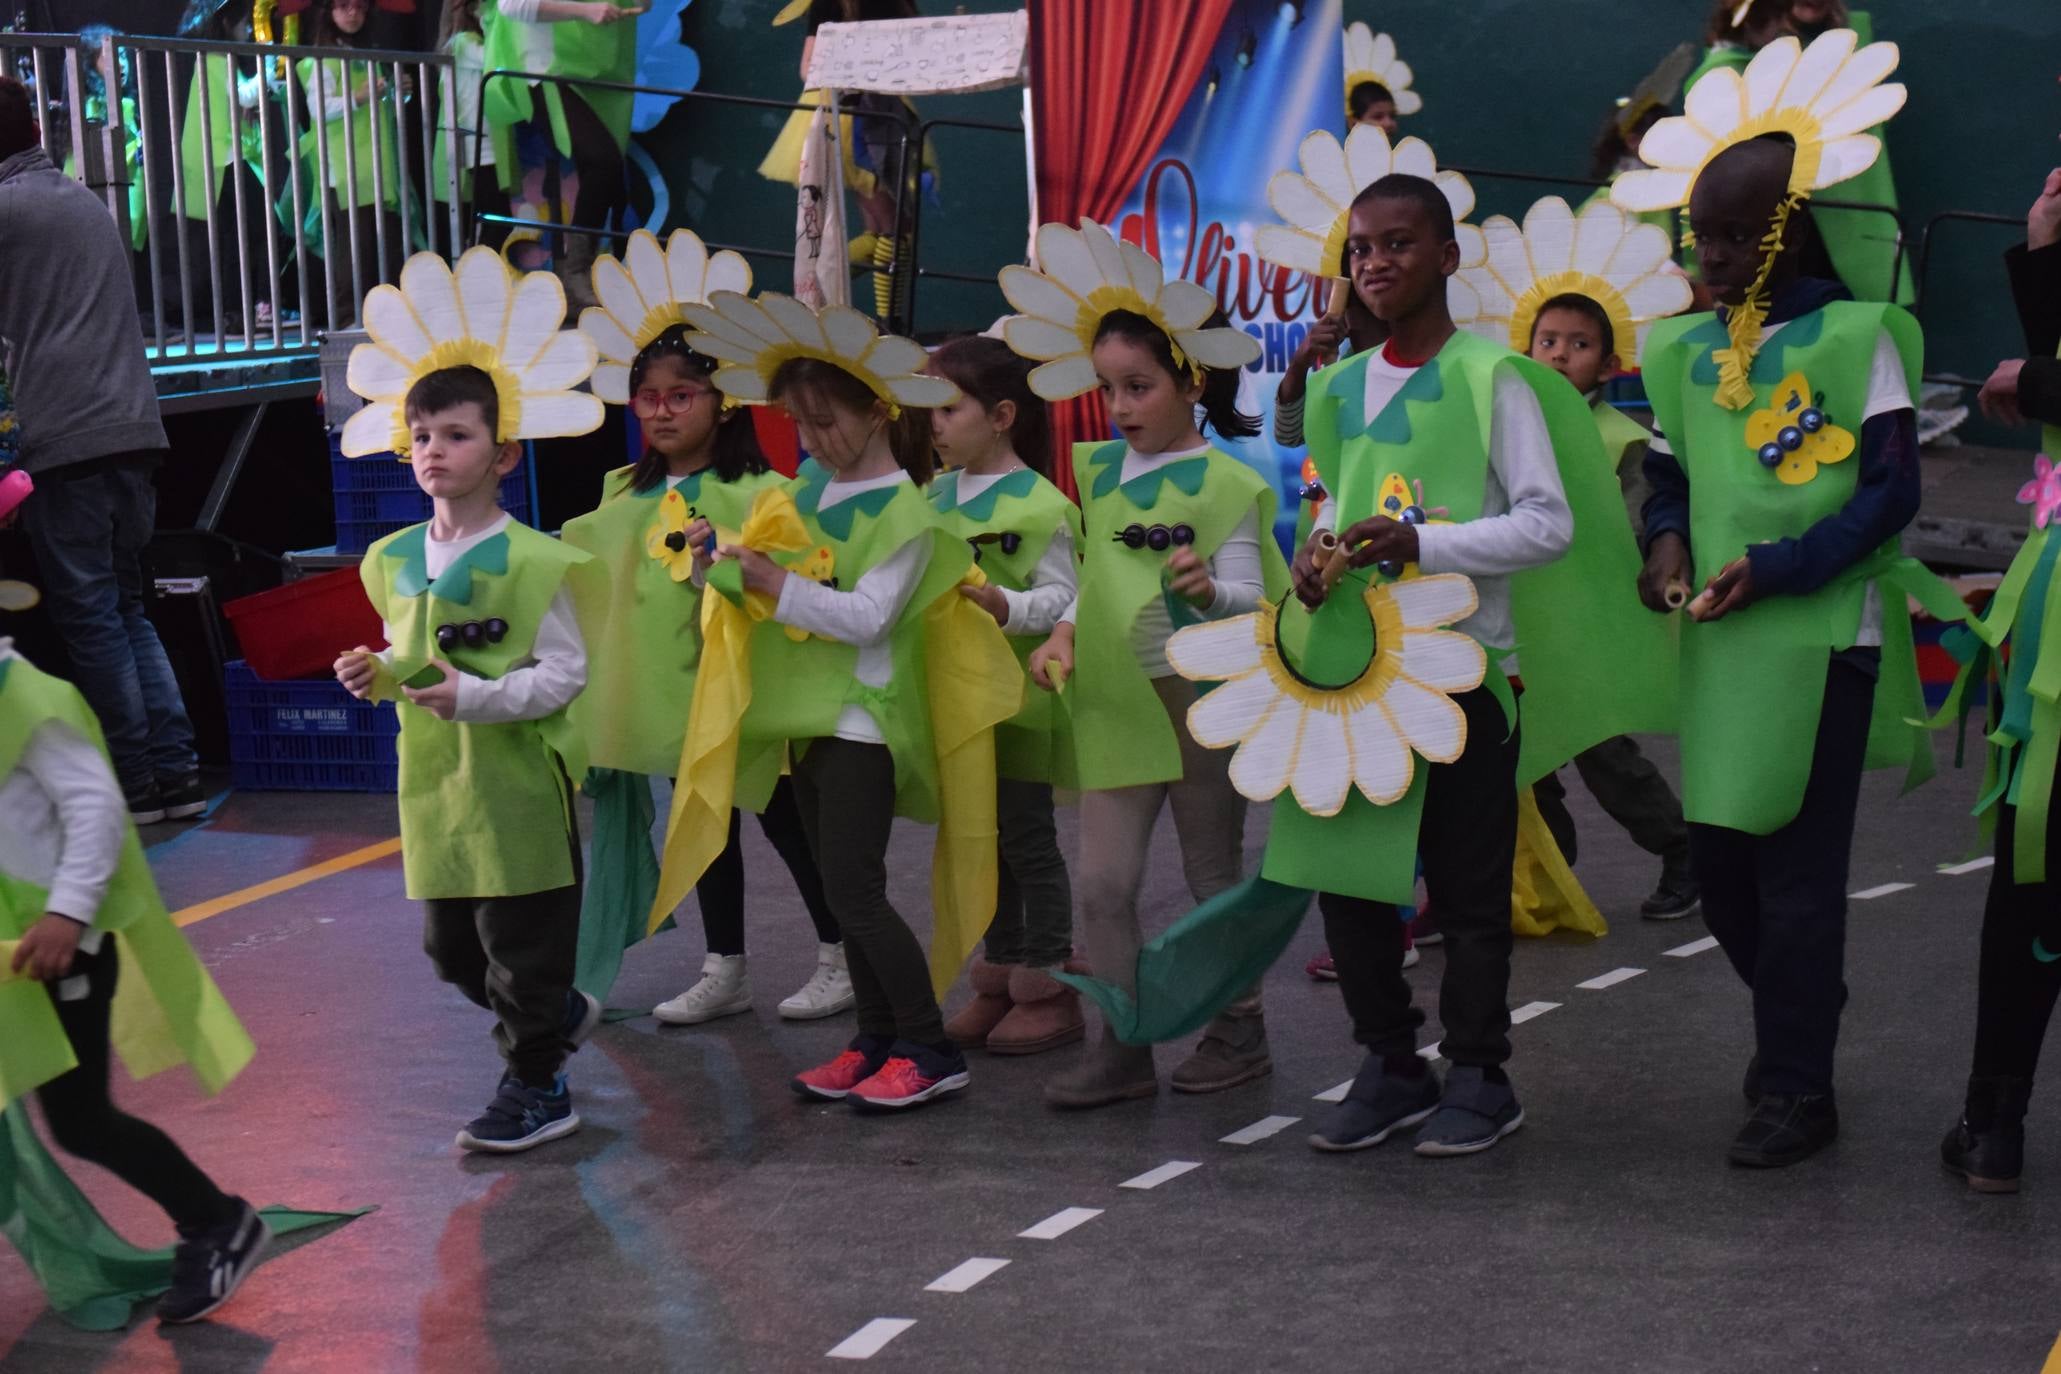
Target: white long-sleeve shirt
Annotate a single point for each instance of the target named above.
(1054, 579)
(1525, 521)
(864, 616)
(66, 821)
(1235, 568)
(540, 683)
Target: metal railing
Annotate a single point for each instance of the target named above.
(317, 147)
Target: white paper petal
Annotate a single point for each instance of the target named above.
(611, 382)
(1227, 714)
(390, 320)
(892, 355)
(1431, 721)
(1864, 112)
(1382, 765)
(1295, 250)
(796, 320)
(712, 322)
(484, 293)
(1658, 295)
(1413, 157)
(922, 391)
(1035, 338)
(1324, 163)
(1260, 769)
(1434, 601)
(741, 382)
(1063, 255)
(1459, 193)
(848, 333)
(375, 373)
(619, 295)
(1185, 304)
(724, 350)
(1215, 650)
(1038, 295)
(1675, 145)
(535, 317)
(608, 336)
(426, 282)
(1298, 202)
(563, 363)
(1223, 348)
(1867, 67)
(1063, 378)
(1818, 66)
(1444, 659)
(370, 431)
(727, 271)
(1324, 765)
(560, 414)
(1651, 190)
(1846, 158)
(1368, 158)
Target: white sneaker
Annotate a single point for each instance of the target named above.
(828, 991)
(724, 990)
(1411, 958)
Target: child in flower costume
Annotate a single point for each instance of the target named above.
(642, 623)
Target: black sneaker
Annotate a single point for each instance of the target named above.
(1785, 1129)
(1676, 897)
(208, 1268)
(146, 806)
(1472, 1115)
(183, 798)
(582, 1016)
(1376, 1106)
(521, 1118)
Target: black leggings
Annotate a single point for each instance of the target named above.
(594, 155)
(721, 889)
(85, 1122)
(2015, 989)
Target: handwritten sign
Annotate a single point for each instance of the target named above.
(949, 54)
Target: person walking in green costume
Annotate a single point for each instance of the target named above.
(1175, 531)
(485, 654)
(351, 117)
(91, 965)
(1785, 464)
(700, 471)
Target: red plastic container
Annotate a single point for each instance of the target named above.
(298, 630)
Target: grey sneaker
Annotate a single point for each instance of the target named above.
(1233, 1050)
(1472, 1115)
(1376, 1107)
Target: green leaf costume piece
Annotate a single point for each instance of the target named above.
(602, 52)
(351, 176)
(1753, 683)
(485, 809)
(1037, 746)
(1121, 733)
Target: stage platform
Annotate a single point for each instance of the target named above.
(216, 374)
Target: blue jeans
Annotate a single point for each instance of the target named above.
(88, 531)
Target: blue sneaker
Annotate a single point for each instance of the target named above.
(582, 1015)
(521, 1117)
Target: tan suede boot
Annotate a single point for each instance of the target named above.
(971, 1025)
(1111, 1071)
(1046, 1015)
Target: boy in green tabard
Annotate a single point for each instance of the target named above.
(1573, 335)
(1785, 465)
(1504, 458)
(485, 657)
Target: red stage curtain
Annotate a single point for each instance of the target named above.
(1108, 81)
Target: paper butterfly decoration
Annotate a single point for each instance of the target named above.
(1794, 435)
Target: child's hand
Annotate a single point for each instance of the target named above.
(1190, 578)
(1051, 663)
(761, 574)
(989, 598)
(2043, 221)
(45, 953)
(357, 671)
(700, 542)
(440, 700)
(1378, 539)
(1320, 345)
(1306, 575)
(1731, 590)
(602, 13)
(1667, 564)
(1998, 397)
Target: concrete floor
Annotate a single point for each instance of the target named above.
(707, 1220)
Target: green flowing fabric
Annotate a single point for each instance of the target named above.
(1201, 964)
(93, 1277)
(622, 878)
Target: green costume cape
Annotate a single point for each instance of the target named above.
(1009, 527)
(1753, 683)
(601, 52)
(352, 181)
(1862, 242)
(486, 810)
(1121, 734)
(1595, 663)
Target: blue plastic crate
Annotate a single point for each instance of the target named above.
(377, 495)
(307, 736)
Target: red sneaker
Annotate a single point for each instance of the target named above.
(1321, 968)
(831, 1082)
(915, 1075)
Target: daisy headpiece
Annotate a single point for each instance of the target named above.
(1824, 98)
(1089, 273)
(478, 313)
(752, 337)
(1370, 56)
(645, 293)
(1316, 202)
(1624, 265)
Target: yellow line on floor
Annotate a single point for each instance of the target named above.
(286, 882)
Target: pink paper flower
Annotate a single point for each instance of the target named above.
(2043, 492)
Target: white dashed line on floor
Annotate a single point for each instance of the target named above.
(1708, 942)
(964, 1276)
(1956, 870)
(1059, 1223)
(869, 1339)
(1335, 1093)
(1152, 1178)
(1261, 1129)
(1610, 979)
(1869, 894)
(1531, 1011)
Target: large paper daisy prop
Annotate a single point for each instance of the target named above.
(1623, 264)
(1370, 56)
(753, 337)
(1314, 204)
(641, 297)
(1323, 739)
(1089, 273)
(478, 314)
